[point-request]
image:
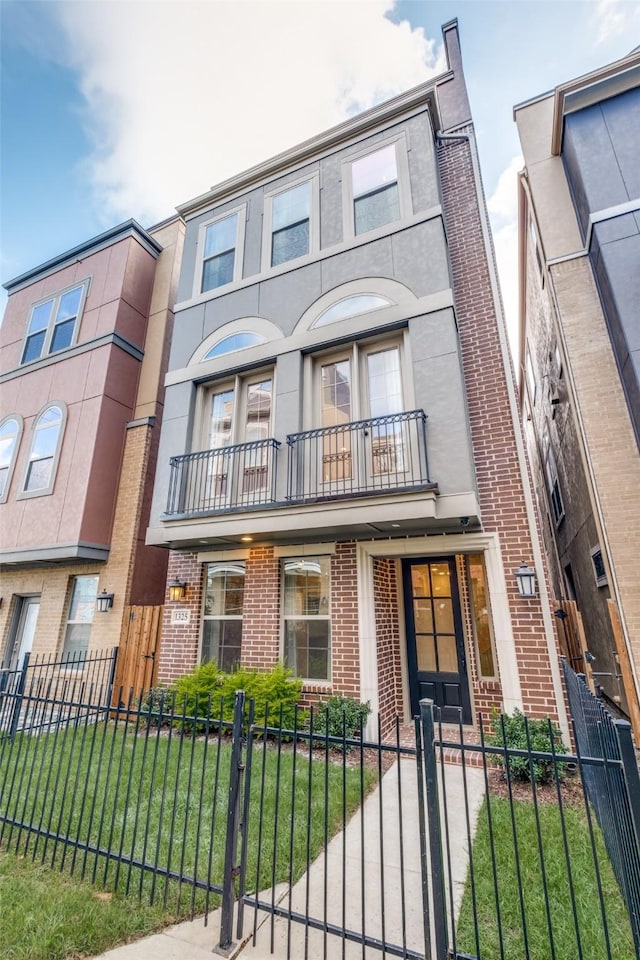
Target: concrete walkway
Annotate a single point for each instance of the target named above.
(346, 885)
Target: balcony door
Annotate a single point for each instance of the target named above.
(239, 420)
(360, 385)
(436, 655)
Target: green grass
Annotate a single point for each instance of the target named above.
(49, 916)
(591, 925)
(160, 800)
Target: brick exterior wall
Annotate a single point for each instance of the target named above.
(492, 429)
(388, 641)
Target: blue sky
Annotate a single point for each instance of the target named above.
(117, 109)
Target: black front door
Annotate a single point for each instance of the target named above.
(435, 640)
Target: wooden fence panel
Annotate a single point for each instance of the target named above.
(137, 667)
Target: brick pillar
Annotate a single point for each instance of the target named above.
(180, 640)
(345, 649)
(261, 610)
(497, 465)
(387, 641)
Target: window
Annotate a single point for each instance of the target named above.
(222, 620)
(290, 221)
(237, 428)
(351, 307)
(377, 368)
(553, 486)
(481, 615)
(80, 618)
(53, 323)
(45, 448)
(531, 377)
(307, 621)
(10, 431)
(235, 341)
(221, 243)
(374, 182)
(599, 569)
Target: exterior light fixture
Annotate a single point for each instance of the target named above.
(246, 539)
(177, 590)
(526, 580)
(104, 602)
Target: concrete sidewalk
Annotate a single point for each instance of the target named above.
(347, 884)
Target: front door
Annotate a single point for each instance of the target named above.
(435, 640)
(25, 631)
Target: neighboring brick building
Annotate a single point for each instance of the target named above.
(342, 478)
(580, 342)
(84, 347)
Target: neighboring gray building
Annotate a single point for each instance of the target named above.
(341, 476)
(580, 339)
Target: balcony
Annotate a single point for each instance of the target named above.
(227, 479)
(365, 458)
(375, 457)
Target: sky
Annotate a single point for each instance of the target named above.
(114, 109)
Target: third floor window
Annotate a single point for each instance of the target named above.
(53, 323)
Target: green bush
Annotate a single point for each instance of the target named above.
(276, 688)
(340, 716)
(514, 737)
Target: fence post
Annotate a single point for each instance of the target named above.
(435, 833)
(630, 764)
(231, 845)
(19, 697)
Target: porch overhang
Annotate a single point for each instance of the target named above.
(403, 514)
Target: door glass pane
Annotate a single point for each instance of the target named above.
(481, 614)
(441, 580)
(420, 581)
(444, 616)
(423, 616)
(447, 655)
(221, 419)
(385, 385)
(258, 425)
(425, 651)
(336, 410)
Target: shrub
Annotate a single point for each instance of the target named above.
(511, 731)
(276, 688)
(340, 716)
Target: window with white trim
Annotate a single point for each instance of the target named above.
(290, 223)
(222, 616)
(599, 569)
(221, 241)
(235, 341)
(307, 616)
(80, 617)
(10, 430)
(553, 485)
(375, 192)
(352, 306)
(237, 427)
(53, 323)
(45, 449)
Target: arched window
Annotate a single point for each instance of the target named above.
(45, 446)
(351, 307)
(10, 430)
(235, 341)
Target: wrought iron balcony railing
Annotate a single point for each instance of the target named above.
(223, 480)
(379, 455)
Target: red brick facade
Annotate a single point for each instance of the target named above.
(492, 430)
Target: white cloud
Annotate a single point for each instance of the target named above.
(613, 18)
(503, 209)
(180, 95)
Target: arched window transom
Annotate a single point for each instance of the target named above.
(351, 307)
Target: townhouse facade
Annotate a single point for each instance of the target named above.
(342, 481)
(84, 346)
(580, 343)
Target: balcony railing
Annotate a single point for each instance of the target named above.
(222, 480)
(380, 455)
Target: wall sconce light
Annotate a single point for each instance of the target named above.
(526, 580)
(177, 590)
(104, 602)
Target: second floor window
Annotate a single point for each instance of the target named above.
(9, 436)
(219, 260)
(376, 200)
(44, 451)
(52, 324)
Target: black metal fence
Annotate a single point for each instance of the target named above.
(364, 457)
(413, 844)
(49, 689)
(612, 785)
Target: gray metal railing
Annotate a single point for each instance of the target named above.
(222, 480)
(378, 455)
